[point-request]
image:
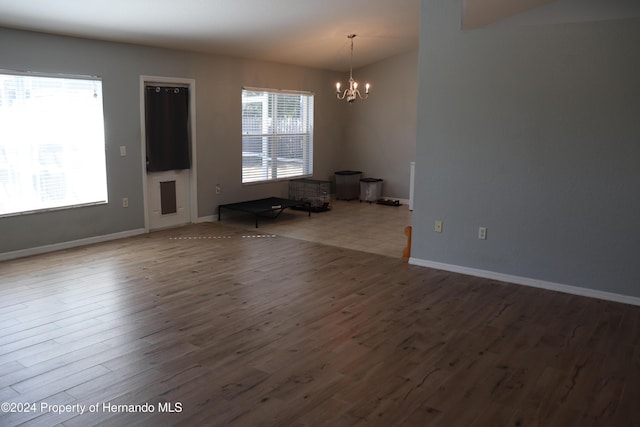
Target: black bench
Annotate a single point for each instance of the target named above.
(264, 206)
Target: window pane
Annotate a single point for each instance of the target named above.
(52, 150)
(277, 131)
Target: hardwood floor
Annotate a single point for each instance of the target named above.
(234, 327)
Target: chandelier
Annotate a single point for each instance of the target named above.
(352, 92)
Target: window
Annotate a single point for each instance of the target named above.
(277, 135)
(52, 149)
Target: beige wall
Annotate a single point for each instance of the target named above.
(376, 136)
(380, 136)
(219, 81)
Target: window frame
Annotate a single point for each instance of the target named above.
(272, 167)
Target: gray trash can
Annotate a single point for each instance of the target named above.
(348, 185)
(370, 189)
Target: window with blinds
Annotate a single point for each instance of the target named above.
(277, 135)
(52, 147)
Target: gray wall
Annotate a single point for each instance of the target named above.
(381, 131)
(218, 84)
(533, 132)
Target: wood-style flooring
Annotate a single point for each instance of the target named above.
(226, 326)
(363, 226)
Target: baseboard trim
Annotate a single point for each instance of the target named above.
(70, 244)
(527, 281)
(210, 218)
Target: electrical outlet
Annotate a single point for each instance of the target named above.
(482, 233)
(125, 202)
(438, 226)
(218, 190)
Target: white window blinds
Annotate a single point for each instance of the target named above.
(277, 135)
(52, 147)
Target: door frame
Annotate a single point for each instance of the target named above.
(192, 196)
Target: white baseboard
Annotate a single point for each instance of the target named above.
(71, 244)
(526, 281)
(210, 218)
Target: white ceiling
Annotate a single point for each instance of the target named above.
(310, 33)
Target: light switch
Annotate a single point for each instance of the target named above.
(123, 150)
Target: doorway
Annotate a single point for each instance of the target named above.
(168, 146)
